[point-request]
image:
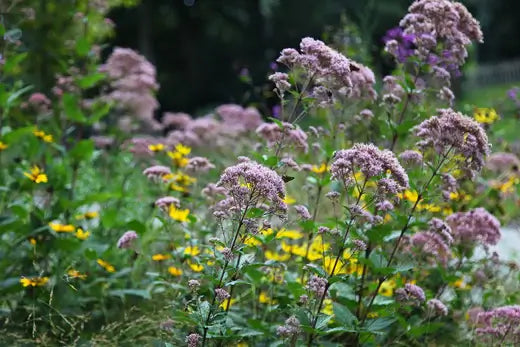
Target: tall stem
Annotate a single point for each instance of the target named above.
(403, 231)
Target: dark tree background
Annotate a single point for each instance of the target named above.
(201, 46)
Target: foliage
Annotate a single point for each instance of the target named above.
(350, 221)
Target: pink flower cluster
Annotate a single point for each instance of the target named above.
(435, 242)
(249, 184)
(475, 226)
(330, 69)
(371, 162)
(133, 83)
(229, 122)
(453, 132)
(501, 323)
(441, 23)
(286, 134)
(410, 293)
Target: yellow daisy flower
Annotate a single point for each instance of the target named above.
(36, 175)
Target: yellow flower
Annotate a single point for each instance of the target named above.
(177, 214)
(180, 181)
(42, 135)
(178, 159)
(106, 265)
(289, 234)
(252, 241)
(87, 215)
(461, 284)
(447, 211)
(289, 200)
(36, 175)
(327, 307)
(32, 241)
(410, 195)
(387, 288)
(294, 249)
(62, 228)
(195, 267)
(76, 274)
(485, 115)
(156, 148)
(174, 271)
(160, 257)
(183, 150)
(428, 207)
(508, 186)
(34, 281)
(372, 315)
(193, 251)
(82, 235)
(329, 262)
(224, 303)
(263, 298)
(276, 256)
(319, 170)
(3, 146)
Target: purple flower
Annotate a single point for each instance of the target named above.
(437, 307)
(165, 202)
(303, 212)
(221, 294)
(317, 285)
(250, 183)
(193, 340)
(411, 293)
(290, 329)
(452, 132)
(404, 46)
(127, 239)
(500, 323)
(475, 226)
(372, 162)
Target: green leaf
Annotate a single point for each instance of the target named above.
(72, 109)
(379, 324)
(322, 321)
(14, 96)
(204, 309)
(145, 294)
(82, 46)
(343, 315)
(255, 212)
(13, 62)
(89, 81)
(82, 150)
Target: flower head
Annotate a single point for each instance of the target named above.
(475, 226)
(437, 307)
(290, 329)
(62, 228)
(34, 281)
(178, 214)
(106, 265)
(250, 183)
(451, 131)
(371, 162)
(36, 175)
(193, 340)
(431, 24)
(127, 239)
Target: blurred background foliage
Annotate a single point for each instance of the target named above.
(212, 51)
